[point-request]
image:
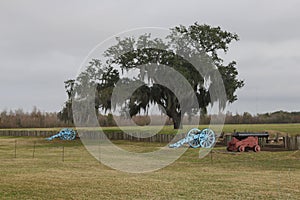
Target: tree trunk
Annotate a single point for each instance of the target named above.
(177, 121)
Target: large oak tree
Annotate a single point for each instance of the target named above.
(180, 46)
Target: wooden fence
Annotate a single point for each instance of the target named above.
(290, 142)
(162, 138)
(25, 133)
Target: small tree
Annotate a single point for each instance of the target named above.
(65, 114)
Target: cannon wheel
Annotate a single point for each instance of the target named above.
(207, 138)
(256, 148)
(67, 134)
(194, 143)
(241, 148)
(72, 135)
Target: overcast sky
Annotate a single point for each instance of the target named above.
(43, 43)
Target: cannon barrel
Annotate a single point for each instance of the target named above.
(248, 134)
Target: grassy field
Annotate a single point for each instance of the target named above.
(220, 175)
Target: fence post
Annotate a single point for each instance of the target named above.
(63, 153)
(292, 143)
(15, 148)
(288, 142)
(277, 137)
(285, 142)
(227, 139)
(33, 149)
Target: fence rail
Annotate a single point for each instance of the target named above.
(162, 138)
(290, 142)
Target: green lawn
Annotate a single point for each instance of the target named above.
(220, 175)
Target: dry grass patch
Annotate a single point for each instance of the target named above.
(264, 175)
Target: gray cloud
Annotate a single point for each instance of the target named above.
(42, 43)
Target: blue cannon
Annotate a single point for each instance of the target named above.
(64, 134)
(197, 138)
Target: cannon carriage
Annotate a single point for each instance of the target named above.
(197, 138)
(64, 134)
(244, 141)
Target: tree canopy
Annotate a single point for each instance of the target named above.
(147, 57)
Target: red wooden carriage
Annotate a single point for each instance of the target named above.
(244, 141)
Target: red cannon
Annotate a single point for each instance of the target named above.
(244, 141)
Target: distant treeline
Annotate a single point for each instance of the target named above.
(266, 118)
(34, 119)
(38, 119)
